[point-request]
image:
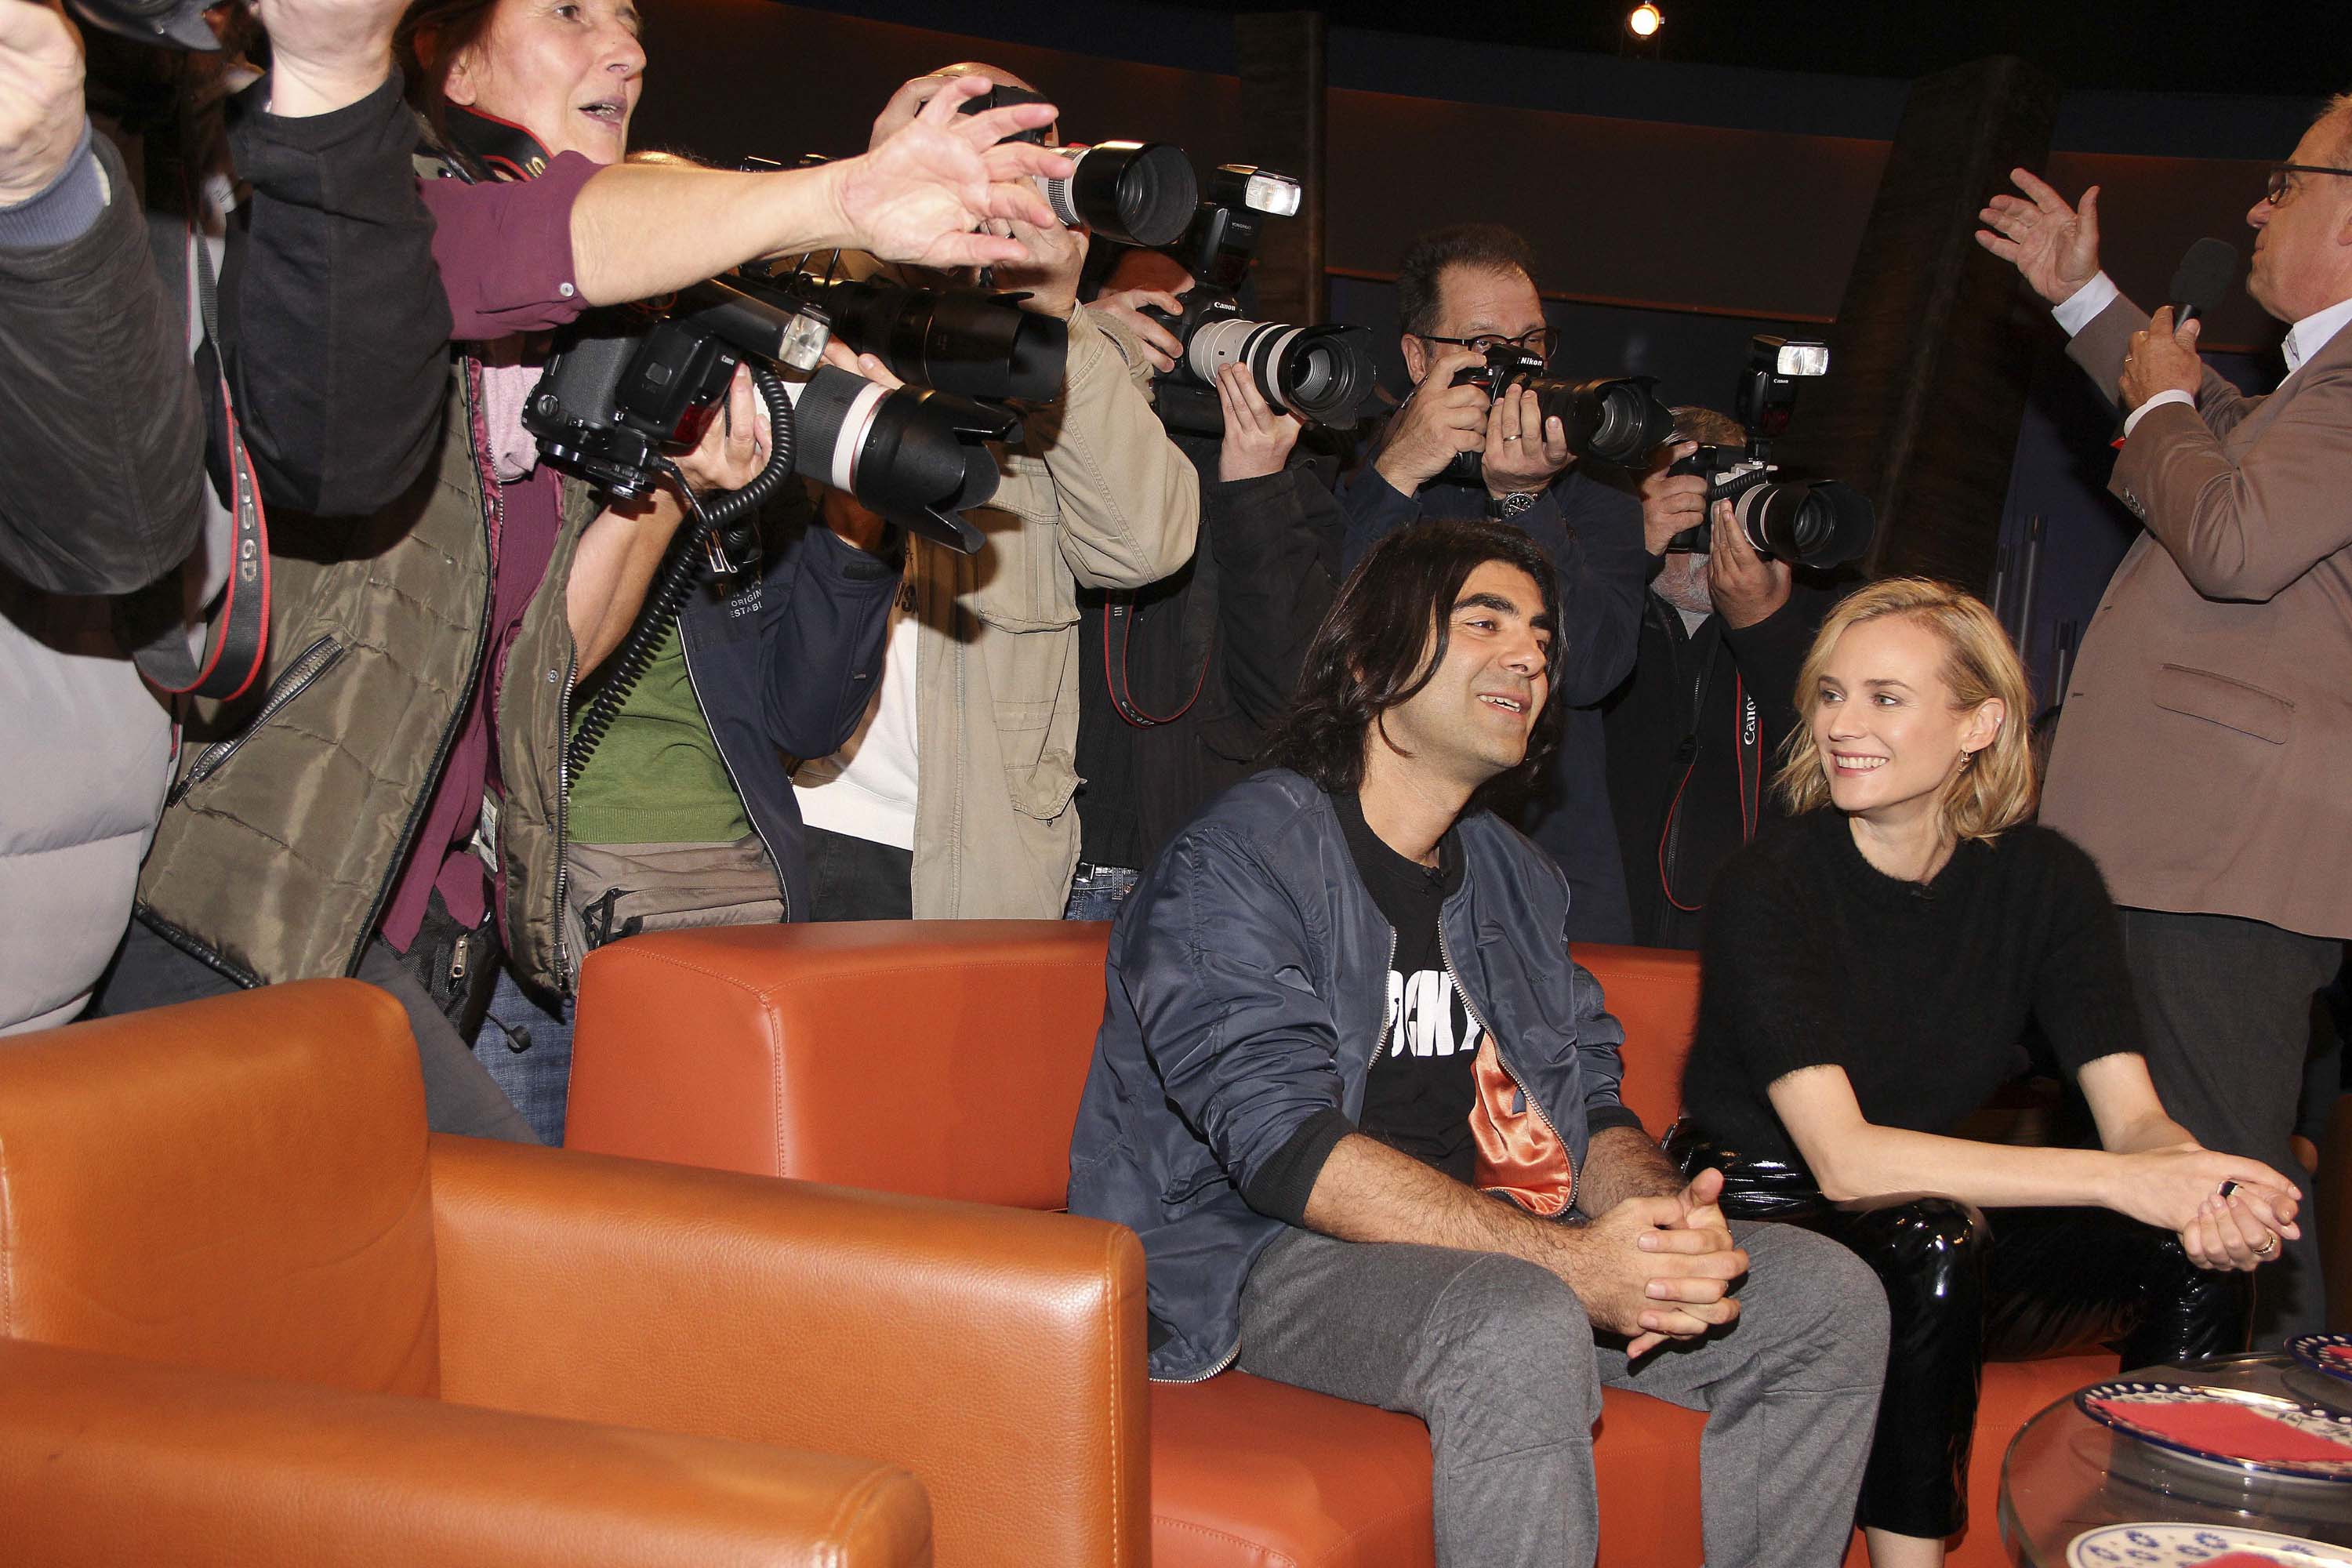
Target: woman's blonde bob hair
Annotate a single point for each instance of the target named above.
(1995, 788)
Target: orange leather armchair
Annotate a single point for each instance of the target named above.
(251, 1312)
(945, 1058)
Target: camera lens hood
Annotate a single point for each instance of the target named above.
(917, 457)
(1137, 192)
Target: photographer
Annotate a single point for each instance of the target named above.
(102, 442)
(1695, 728)
(390, 803)
(1462, 291)
(328, 355)
(1182, 680)
(953, 800)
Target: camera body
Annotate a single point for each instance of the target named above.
(1321, 373)
(627, 389)
(1817, 524)
(1614, 419)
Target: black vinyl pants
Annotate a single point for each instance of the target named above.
(1962, 1289)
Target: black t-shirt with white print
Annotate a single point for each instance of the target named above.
(1419, 1097)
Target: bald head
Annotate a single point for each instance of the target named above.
(996, 74)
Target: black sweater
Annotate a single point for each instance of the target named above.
(1688, 771)
(1920, 992)
(1212, 651)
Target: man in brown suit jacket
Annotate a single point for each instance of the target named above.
(2206, 753)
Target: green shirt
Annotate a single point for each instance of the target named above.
(658, 777)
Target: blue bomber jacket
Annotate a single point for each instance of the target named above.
(1248, 987)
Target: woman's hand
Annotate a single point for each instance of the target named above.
(735, 446)
(1258, 439)
(922, 190)
(2178, 1188)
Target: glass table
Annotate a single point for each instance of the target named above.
(2065, 1473)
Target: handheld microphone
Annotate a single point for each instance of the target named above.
(2204, 275)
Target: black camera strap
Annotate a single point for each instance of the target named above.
(1119, 611)
(237, 635)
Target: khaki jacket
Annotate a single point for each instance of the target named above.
(293, 809)
(2205, 757)
(1095, 494)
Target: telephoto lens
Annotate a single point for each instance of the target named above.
(1137, 192)
(1617, 419)
(966, 343)
(1321, 373)
(916, 457)
(1825, 523)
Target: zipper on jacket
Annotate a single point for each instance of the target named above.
(686, 653)
(1223, 1362)
(313, 662)
(493, 519)
(1533, 1103)
(564, 975)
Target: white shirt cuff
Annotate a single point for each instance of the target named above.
(2086, 302)
(2170, 395)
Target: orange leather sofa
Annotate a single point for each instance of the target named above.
(250, 1312)
(945, 1060)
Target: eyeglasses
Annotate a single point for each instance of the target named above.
(1537, 341)
(2279, 172)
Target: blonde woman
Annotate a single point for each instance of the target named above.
(1871, 965)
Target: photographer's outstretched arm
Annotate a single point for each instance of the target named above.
(1129, 502)
(102, 434)
(640, 230)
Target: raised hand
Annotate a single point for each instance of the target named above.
(1745, 587)
(40, 98)
(326, 54)
(735, 446)
(1524, 451)
(2053, 245)
(1159, 344)
(2161, 359)
(1258, 439)
(1436, 423)
(919, 193)
(1671, 502)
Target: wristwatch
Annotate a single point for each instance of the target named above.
(1509, 505)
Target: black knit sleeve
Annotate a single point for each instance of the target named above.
(1771, 979)
(2082, 992)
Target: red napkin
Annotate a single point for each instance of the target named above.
(2232, 1430)
(2243, 1559)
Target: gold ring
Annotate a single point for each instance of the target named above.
(2268, 1246)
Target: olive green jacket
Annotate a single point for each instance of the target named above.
(294, 808)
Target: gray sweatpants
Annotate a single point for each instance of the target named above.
(1497, 1356)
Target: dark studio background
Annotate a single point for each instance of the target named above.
(1678, 203)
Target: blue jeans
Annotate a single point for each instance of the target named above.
(1098, 891)
(528, 1049)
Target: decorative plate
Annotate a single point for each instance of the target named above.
(2258, 1433)
(2203, 1545)
(2328, 1354)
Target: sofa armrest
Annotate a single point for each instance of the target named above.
(997, 1353)
(106, 1460)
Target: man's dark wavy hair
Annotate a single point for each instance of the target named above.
(1383, 641)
